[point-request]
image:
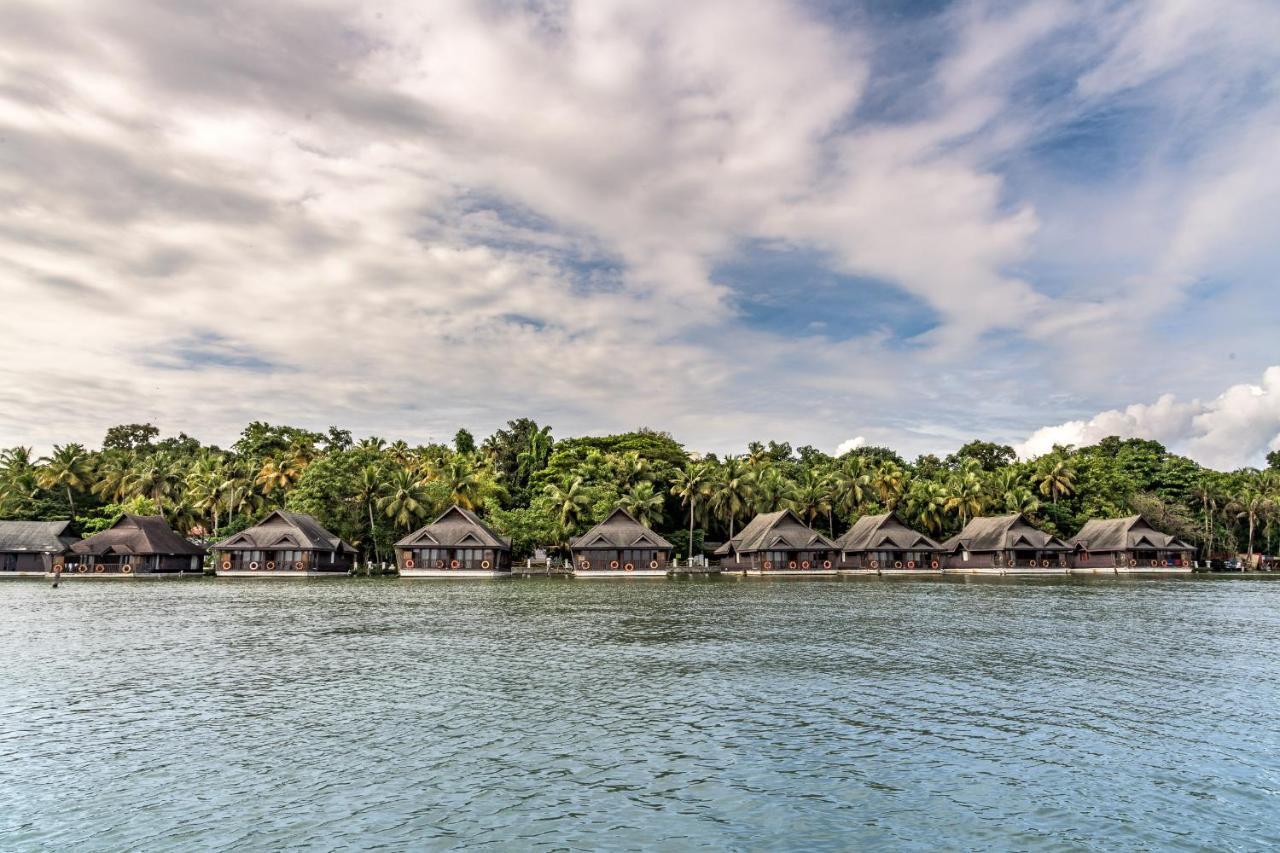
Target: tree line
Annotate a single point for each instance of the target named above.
(541, 491)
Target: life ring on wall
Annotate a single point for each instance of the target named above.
(897, 564)
(82, 568)
(826, 564)
(453, 564)
(768, 564)
(271, 565)
(484, 564)
(1044, 564)
(933, 564)
(1132, 562)
(299, 565)
(791, 565)
(408, 563)
(1155, 563)
(226, 565)
(439, 564)
(127, 569)
(253, 566)
(99, 568)
(804, 564)
(628, 568)
(875, 564)
(1012, 562)
(585, 564)
(911, 564)
(1164, 564)
(653, 564)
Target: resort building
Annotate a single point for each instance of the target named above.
(286, 545)
(30, 549)
(1004, 544)
(136, 545)
(1127, 545)
(456, 545)
(620, 546)
(778, 543)
(885, 544)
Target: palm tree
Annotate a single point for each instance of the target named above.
(470, 480)
(690, 484)
(570, 500)
(369, 489)
(926, 504)
(731, 493)
(1056, 478)
(405, 501)
(535, 454)
(278, 475)
(853, 484)
(644, 504)
(203, 488)
(964, 493)
(1252, 502)
(156, 476)
(770, 488)
(112, 475)
(811, 496)
(631, 469)
(888, 481)
(67, 468)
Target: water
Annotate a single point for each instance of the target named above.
(732, 714)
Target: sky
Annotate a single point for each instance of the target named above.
(900, 223)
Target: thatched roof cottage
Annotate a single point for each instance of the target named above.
(620, 546)
(885, 543)
(32, 548)
(136, 545)
(1002, 544)
(778, 543)
(284, 544)
(456, 544)
(1128, 544)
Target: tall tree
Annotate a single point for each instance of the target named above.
(68, 468)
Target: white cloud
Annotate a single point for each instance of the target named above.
(1234, 429)
(851, 444)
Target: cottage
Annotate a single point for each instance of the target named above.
(620, 546)
(136, 545)
(1127, 545)
(456, 545)
(885, 544)
(30, 549)
(1004, 544)
(778, 543)
(283, 545)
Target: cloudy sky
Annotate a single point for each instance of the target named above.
(890, 222)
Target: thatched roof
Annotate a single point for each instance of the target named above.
(884, 532)
(137, 534)
(1125, 534)
(44, 537)
(1003, 533)
(776, 531)
(620, 530)
(455, 528)
(284, 531)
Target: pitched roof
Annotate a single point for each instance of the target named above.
(137, 534)
(1123, 534)
(293, 531)
(782, 531)
(620, 530)
(456, 527)
(1002, 533)
(886, 531)
(45, 537)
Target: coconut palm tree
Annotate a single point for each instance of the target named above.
(405, 501)
(279, 475)
(112, 475)
(570, 500)
(852, 484)
(535, 454)
(1056, 477)
(926, 504)
(770, 488)
(1252, 502)
(644, 504)
(67, 468)
(888, 482)
(688, 485)
(964, 493)
(370, 488)
(631, 469)
(731, 492)
(811, 496)
(155, 476)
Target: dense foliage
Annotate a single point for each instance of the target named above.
(541, 491)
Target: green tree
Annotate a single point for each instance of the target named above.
(690, 484)
(67, 468)
(644, 504)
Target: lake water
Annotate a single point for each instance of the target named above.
(730, 714)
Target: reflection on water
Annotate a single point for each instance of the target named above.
(736, 714)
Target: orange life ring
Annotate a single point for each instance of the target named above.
(299, 565)
(804, 564)
(453, 564)
(439, 564)
(613, 564)
(911, 564)
(1132, 562)
(226, 565)
(253, 566)
(653, 564)
(585, 564)
(1044, 564)
(82, 568)
(933, 564)
(897, 564)
(875, 564)
(271, 565)
(628, 568)
(408, 562)
(127, 569)
(826, 564)
(484, 564)
(1012, 562)
(99, 568)
(1164, 564)
(791, 565)
(1155, 563)
(768, 564)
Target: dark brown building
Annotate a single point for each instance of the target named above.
(31, 548)
(1128, 545)
(136, 545)
(620, 546)
(884, 543)
(1002, 544)
(284, 544)
(457, 544)
(778, 543)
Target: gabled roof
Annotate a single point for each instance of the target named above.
(456, 527)
(44, 537)
(884, 532)
(291, 531)
(620, 530)
(776, 531)
(1002, 533)
(1123, 534)
(137, 534)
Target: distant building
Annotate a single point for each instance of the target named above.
(136, 545)
(778, 543)
(32, 548)
(456, 544)
(885, 543)
(1128, 544)
(284, 544)
(1005, 544)
(620, 546)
